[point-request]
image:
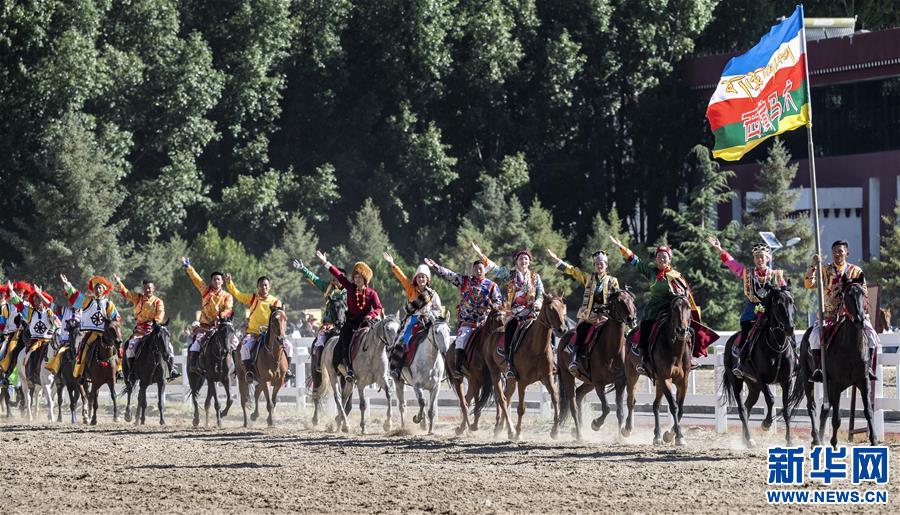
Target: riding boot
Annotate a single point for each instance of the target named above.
(348, 363)
(458, 363)
(248, 367)
(288, 374)
(576, 356)
(193, 359)
(173, 372)
(129, 373)
(816, 376)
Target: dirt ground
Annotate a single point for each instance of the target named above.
(118, 467)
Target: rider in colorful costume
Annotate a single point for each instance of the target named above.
(42, 323)
(216, 305)
(755, 281)
(597, 287)
(335, 296)
(259, 308)
(664, 283)
(11, 320)
(835, 274)
(363, 307)
(479, 296)
(97, 310)
(423, 307)
(524, 297)
(148, 308)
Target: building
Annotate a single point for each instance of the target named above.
(855, 82)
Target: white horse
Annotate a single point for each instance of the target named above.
(370, 367)
(426, 372)
(44, 379)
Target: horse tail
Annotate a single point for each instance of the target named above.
(726, 392)
(487, 391)
(563, 397)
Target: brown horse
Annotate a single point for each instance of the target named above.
(533, 359)
(270, 368)
(100, 369)
(607, 365)
(481, 385)
(669, 363)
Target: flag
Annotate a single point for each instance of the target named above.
(762, 93)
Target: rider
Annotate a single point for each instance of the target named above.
(597, 287)
(835, 275)
(423, 307)
(525, 296)
(147, 309)
(215, 304)
(363, 306)
(69, 320)
(479, 296)
(334, 295)
(664, 283)
(40, 321)
(755, 283)
(259, 308)
(96, 311)
(12, 322)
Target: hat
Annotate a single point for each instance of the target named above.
(424, 270)
(97, 279)
(24, 286)
(48, 299)
(664, 248)
(519, 253)
(4, 291)
(763, 248)
(600, 256)
(363, 270)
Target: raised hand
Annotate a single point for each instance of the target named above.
(430, 262)
(477, 250)
(322, 257)
(185, 261)
(297, 264)
(816, 260)
(552, 255)
(616, 241)
(64, 280)
(715, 243)
(228, 277)
(388, 258)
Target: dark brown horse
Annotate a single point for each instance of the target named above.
(100, 369)
(533, 359)
(607, 365)
(773, 360)
(669, 363)
(478, 377)
(65, 379)
(845, 360)
(270, 368)
(214, 364)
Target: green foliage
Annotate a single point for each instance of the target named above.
(886, 270)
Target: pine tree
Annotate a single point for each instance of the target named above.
(297, 241)
(886, 270)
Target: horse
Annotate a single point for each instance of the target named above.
(33, 374)
(215, 364)
(845, 363)
(370, 366)
(669, 363)
(100, 368)
(607, 365)
(482, 380)
(65, 378)
(330, 380)
(149, 366)
(772, 357)
(425, 372)
(533, 359)
(269, 370)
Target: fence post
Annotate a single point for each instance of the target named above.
(302, 357)
(878, 421)
(721, 406)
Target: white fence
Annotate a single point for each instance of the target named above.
(537, 398)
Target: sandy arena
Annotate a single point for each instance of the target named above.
(121, 467)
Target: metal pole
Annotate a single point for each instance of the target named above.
(820, 292)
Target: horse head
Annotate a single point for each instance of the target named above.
(680, 318)
(778, 306)
(553, 313)
(621, 307)
(854, 298)
(278, 330)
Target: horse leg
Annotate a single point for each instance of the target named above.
(867, 410)
(597, 423)
(434, 393)
(388, 418)
(26, 395)
(786, 388)
(363, 401)
(74, 397)
(520, 409)
(770, 407)
(226, 385)
(270, 406)
(59, 401)
(463, 405)
(256, 393)
(835, 395)
(554, 402)
(676, 416)
(206, 402)
(574, 404)
(824, 413)
(93, 401)
(401, 402)
(810, 393)
(631, 382)
(419, 417)
(276, 387)
(244, 392)
(141, 414)
(161, 401)
(659, 393)
(737, 386)
(129, 388)
(47, 382)
(620, 406)
(212, 391)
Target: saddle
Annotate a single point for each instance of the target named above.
(469, 349)
(517, 337)
(38, 354)
(418, 336)
(354, 342)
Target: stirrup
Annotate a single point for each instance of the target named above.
(816, 376)
(737, 372)
(641, 369)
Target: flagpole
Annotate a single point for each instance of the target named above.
(820, 291)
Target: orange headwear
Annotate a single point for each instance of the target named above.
(98, 279)
(24, 286)
(4, 291)
(48, 299)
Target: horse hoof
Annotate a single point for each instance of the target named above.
(766, 425)
(162, 422)
(474, 427)
(668, 436)
(93, 422)
(416, 419)
(345, 429)
(387, 425)
(626, 432)
(460, 430)
(270, 422)
(423, 424)
(554, 433)
(751, 443)
(679, 441)
(595, 425)
(254, 417)
(195, 422)
(362, 431)
(219, 424)
(127, 417)
(657, 440)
